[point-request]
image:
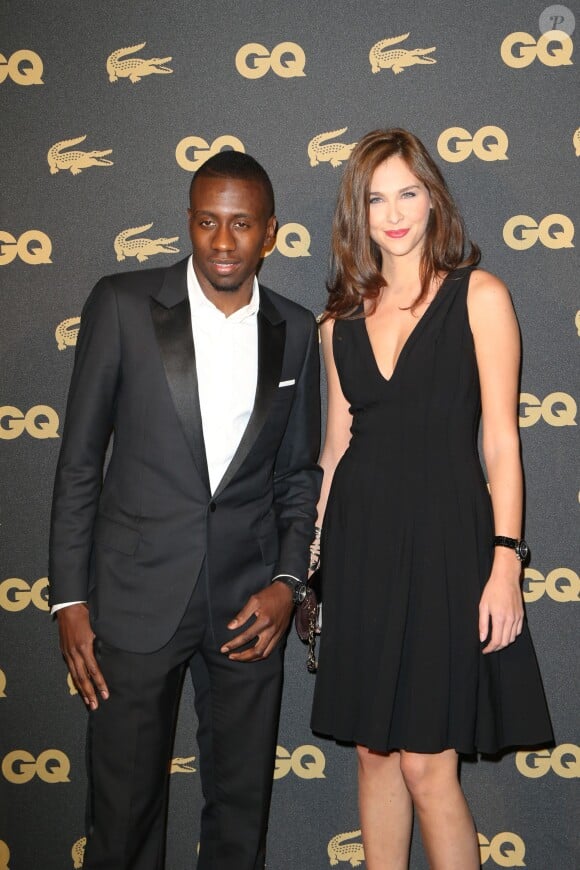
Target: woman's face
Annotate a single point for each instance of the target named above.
(399, 207)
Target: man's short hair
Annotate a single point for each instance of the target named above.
(235, 164)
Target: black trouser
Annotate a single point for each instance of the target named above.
(130, 740)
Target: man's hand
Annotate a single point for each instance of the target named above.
(272, 608)
(76, 644)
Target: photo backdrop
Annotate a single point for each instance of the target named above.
(107, 108)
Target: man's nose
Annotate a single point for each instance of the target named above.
(223, 238)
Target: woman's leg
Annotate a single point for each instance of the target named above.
(447, 827)
(386, 812)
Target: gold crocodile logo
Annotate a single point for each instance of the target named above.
(349, 853)
(142, 248)
(78, 853)
(182, 765)
(76, 161)
(135, 68)
(66, 333)
(322, 151)
(399, 58)
(576, 142)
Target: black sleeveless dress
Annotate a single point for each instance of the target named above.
(406, 551)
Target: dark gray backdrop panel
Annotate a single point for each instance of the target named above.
(522, 803)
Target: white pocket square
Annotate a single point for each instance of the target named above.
(289, 383)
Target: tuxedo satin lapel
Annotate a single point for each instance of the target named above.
(174, 336)
(271, 341)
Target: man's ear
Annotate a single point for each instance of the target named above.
(270, 234)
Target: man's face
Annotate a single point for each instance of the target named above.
(229, 227)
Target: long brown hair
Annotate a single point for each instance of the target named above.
(356, 258)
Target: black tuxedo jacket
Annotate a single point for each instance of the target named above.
(133, 545)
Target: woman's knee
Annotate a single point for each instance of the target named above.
(376, 763)
(425, 773)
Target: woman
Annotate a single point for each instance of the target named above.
(425, 651)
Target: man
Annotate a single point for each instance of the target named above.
(192, 551)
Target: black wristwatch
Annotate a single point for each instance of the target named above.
(299, 589)
(520, 547)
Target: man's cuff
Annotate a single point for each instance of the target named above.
(291, 576)
(56, 607)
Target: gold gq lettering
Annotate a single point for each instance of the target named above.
(33, 247)
(555, 231)
(202, 151)
(77, 853)
(20, 766)
(2, 684)
(557, 409)
(505, 849)
(4, 855)
(307, 762)
(40, 421)
(553, 48)
(561, 585)
(24, 67)
(287, 60)
(292, 240)
(16, 594)
(489, 143)
(564, 761)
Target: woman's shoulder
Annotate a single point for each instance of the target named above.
(486, 290)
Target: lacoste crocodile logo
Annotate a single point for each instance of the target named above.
(182, 765)
(398, 58)
(75, 161)
(349, 853)
(135, 68)
(142, 248)
(78, 853)
(322, 151)
(66, 333)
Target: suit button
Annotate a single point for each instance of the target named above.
(212, 506)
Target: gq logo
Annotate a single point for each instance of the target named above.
(564, 761)
(33, 247)
(489, 143)
(307, 762)
(40, 421)
(287, 60)
(202, 151)
(51, 766)
(561, 585)
(554, 231)
(16, 594)
(557, 409)
(506, 849)
(292, 240)
(553, 48)
(4, 855)
(2, 684)
(23, 67)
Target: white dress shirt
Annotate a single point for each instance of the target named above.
(226, 359)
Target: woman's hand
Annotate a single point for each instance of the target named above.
(501, 603)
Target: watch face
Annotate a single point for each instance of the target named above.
(522, 550)
(300, 591)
